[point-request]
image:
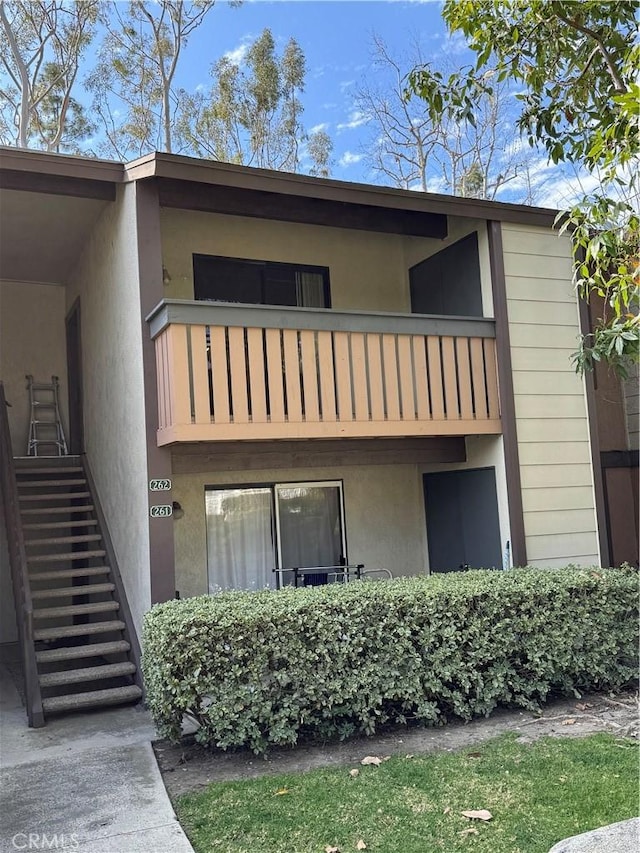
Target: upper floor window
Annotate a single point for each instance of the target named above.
(449, 281)
(218, 279)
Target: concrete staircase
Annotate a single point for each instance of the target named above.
(83, 655)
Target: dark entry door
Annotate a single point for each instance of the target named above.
(74, 376)
(463, 528)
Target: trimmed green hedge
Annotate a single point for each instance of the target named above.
(260, 668)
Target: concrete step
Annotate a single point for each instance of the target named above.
(89, 651)
(38, 484)
(62, 631)
(23, 471)
(48, 462)
(61, 558)
(89, 673)
(92, 699)
(65, 540)
(55, 496)
(60, 574)
(57, 510)
(70, 591)
(74, 609)
(59, 525)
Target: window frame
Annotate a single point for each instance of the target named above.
(264, 265)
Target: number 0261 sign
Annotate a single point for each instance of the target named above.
(161, 511)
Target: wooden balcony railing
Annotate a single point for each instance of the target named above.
(229, 372)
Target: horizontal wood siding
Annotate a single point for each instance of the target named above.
(551, 411)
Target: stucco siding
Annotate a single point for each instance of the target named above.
(32, 340)
(551, 413)
(368, 272)
(106, 280)
(384, 516)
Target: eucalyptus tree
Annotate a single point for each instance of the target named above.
(42, 44)
(134, 81)
(252, 114)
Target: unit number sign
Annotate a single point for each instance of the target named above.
(161, 511)
(159, 485)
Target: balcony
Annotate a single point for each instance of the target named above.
(228, 373)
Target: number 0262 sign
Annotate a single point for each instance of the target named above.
(161, 511)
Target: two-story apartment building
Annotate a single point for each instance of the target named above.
(323, 374)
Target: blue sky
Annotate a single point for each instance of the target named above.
(335, 36)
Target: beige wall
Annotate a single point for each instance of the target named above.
(551, 413)
(32, 340)
(106, 280)
(368, 271)
(384, 513)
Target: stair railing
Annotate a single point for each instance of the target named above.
(19, 576)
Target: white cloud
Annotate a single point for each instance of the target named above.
(356, 118)
(238, 54)
(350, 159)
(318, 127)
(346, 84)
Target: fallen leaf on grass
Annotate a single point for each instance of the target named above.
(330, 849)
(474, 755)
(477, 814)
(471, 831)
(371, 759)
(447, 810)
(570, 722)
(361, 845)
(409, 755)
(353, 773)
(281, 792)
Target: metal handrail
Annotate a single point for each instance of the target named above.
(19, 576)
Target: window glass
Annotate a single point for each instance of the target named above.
(218, 279)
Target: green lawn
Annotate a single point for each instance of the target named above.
(537, 793)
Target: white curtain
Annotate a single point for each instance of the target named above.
(310, 529)
(310, 289)
(240, 547)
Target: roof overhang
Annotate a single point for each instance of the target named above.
(194, 183)
(59, 174)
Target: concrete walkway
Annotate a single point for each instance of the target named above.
(88, 782)
(623, 837)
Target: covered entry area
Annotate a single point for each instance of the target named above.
(463, 526)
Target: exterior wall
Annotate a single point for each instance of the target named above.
(632, 404)
(483, 451)
(551, 413)
(368, 271)
(384, 513)
(106, 280)
(32, 340)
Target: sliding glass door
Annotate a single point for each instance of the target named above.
(309, 524)
(252, 531)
